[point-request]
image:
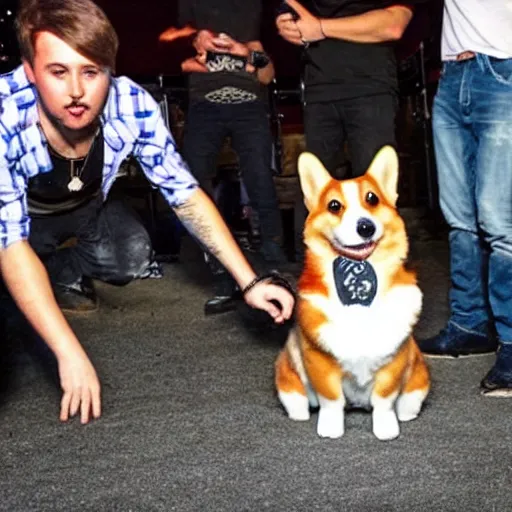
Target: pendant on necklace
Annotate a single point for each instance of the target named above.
(75, 185)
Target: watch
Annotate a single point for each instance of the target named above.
(258, 59)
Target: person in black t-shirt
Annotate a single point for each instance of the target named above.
(351, 92)
(227, 81)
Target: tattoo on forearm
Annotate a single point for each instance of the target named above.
(198, 226)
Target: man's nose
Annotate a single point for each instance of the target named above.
(76, 89)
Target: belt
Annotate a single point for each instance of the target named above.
(465, 56)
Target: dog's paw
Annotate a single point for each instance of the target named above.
(408, 405)
(296, 405)
(385, 425)
(331, 423)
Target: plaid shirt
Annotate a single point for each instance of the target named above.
(132, 125)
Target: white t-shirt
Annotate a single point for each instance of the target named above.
(481, 26)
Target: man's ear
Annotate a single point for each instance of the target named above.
(384, 170)
(27, 67)
(313, 178)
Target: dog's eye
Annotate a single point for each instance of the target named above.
(372, 199)
(334, 206)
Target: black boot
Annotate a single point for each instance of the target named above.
(226, 293)
(77, 297)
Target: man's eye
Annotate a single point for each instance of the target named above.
(58, 72)
(91, 73)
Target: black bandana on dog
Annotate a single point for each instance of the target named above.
(356, 281)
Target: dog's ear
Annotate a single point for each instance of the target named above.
(384, 170)
(313, 178)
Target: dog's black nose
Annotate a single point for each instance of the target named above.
(365, 228)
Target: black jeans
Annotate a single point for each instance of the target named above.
(207, 125)
(366, 123)
(111, 243)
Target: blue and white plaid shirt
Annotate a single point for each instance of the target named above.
(132, 125)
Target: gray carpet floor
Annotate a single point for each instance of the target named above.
(191, 421)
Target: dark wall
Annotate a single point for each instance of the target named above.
(139, 24)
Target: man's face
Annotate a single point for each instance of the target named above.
(72, 89)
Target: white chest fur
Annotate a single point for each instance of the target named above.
(365, 338)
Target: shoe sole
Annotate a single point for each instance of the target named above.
(83, 311)
(497, 393)
(461, 356)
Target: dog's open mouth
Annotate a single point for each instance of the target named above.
(357, 252)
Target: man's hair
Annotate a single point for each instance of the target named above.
(79, 23)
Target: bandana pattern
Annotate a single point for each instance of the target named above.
(356, 281)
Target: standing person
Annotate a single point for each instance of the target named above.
(227, 82)
(351, 91)
(472, 123)
(66, 125)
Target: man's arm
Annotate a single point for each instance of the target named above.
(201, 218)
(376, 26)
(28, 283)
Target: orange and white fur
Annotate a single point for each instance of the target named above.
(341, 355)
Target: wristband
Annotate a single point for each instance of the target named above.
(258, 59)
(273, 277)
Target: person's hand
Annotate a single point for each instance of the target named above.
(307, 29)
(261, 295)
(80, 386)
(207, 41)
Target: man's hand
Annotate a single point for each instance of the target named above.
(81, 388)
(307, 29)
(261, 295)
(207, 41)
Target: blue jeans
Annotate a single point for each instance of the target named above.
(472, 123)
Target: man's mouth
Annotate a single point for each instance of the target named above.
(357, 252)
(76, 110)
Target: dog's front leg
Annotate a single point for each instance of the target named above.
(385, 422)
(388, 381)
(331, 417)
(325, 374)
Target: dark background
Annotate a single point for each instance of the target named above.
(141, 55)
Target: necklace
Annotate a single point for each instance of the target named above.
(75, 171)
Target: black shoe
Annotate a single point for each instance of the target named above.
(498, 382)
(79, 297)
(221, 304)
(454, 341)
(225, 293)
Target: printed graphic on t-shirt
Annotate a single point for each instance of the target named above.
(216, 62)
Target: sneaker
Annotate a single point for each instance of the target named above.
(498, 382)
(78, 297)
(455, 341)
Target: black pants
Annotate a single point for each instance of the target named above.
(110, 245)
(207, 125)
(366, 123)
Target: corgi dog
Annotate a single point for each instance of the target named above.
(352, 345)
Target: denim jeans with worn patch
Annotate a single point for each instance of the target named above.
(472, 122)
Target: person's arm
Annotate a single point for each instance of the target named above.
(28, 283)
(376, 26)
(165, 169)
(202, 219)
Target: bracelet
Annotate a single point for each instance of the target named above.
(272, 277)
(254, 282)
(322, 28)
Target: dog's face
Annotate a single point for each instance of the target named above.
(354, 218)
